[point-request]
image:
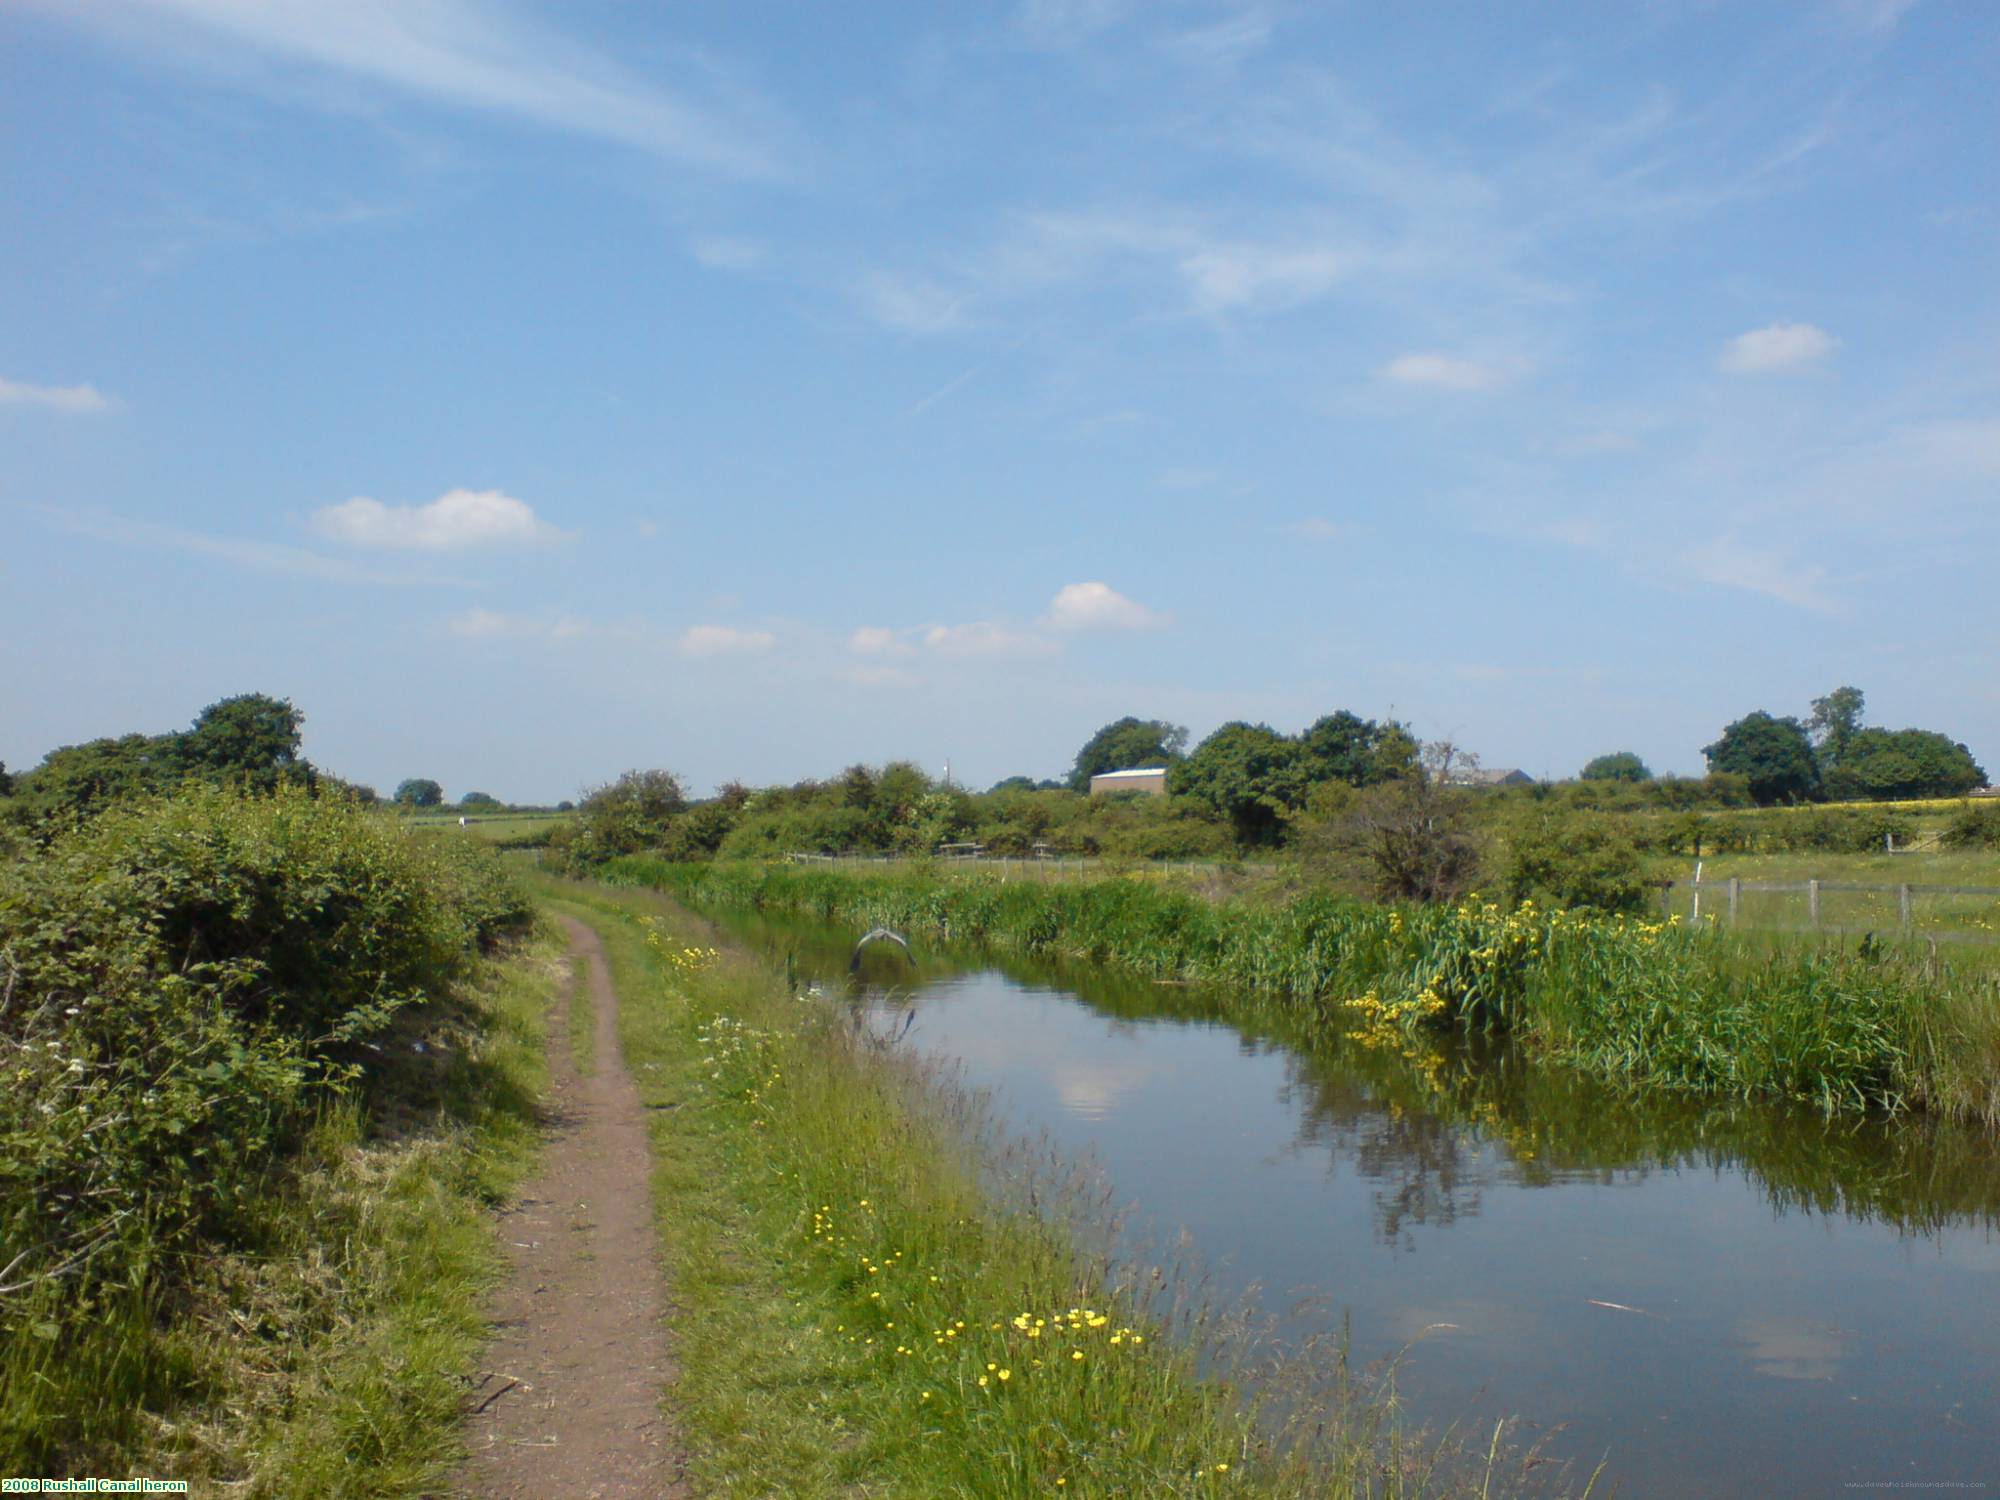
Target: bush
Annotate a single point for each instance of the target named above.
(1581, 859)
(1973, 826)
(188, 982)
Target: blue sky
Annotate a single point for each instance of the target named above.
(533, 392)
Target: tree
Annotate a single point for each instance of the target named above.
(1773, 755)
(479, 799)
(1343, 746)
(419, 791)
(1127, 744)
(1414, 834)
(1247, 773)
(1622, 765)
(637, 811)
(1894, 764)
(1835, 720)
(251, 739)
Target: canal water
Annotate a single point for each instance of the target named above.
(1717, 1299)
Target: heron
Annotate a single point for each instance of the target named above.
(854, 963)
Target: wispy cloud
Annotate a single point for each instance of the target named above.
(950, 387)
(466, 53)
(1875, 15)
(456, 521)
(1777, 348)
(1316, 529)
(1444, 372)
(1774, 573)
(487, 624)
(724, 640)
(1098, 606)
(1966, 447)
(878, 640)
(912, 304)
(986, 638)
(72, 399)
(723, 252)
(1066, 23)
(1223, 44)
(246, 553)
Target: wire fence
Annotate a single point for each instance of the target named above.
(1948, 913)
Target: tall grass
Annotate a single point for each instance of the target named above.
(873, 1302)
(1842, 1026)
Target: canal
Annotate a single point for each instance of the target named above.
(1715, 1298)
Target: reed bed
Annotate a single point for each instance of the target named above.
(1846, 1026)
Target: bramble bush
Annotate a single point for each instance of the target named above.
(186, 983)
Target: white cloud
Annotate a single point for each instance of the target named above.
(985, 638)
(1444, 372)
(878, 640)
(1098, 606)
(454, 521)
(466, 53)
(912, 304)
(1777, 347)
(724, 640)
(488, 624)
(1316, 529)
(74, 399)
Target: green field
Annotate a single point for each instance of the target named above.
(510, 828)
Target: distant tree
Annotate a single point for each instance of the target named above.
(1013, 784)
(251, 739)
(565, 806)
(479, 799)
(6, 781)
(419, 791)
(1248, 774)
(1895, 764)
(1127, 744)
(1773, 755)
(1343, 746)
(1835, 720)
(1623, 765)
(76, 781)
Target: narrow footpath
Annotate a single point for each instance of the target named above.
(568, 1399)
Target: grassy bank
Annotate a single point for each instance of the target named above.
(864, 1312)
(268, 1060)
(1845, 1027)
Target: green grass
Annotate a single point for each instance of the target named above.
(854, 1260)
(324, 1354)
(1887, 1028)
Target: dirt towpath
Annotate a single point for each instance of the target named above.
(581, 1313)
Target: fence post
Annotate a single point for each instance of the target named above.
(1735, 897)
(1812, 901)
(1903, 906)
